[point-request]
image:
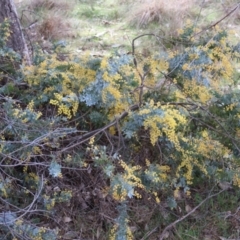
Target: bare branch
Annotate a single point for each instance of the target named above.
(161, 237)
(216, 23)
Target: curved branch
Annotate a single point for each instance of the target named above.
(87, 136)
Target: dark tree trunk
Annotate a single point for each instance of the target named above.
(16, 40)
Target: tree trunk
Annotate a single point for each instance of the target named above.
(16, 40)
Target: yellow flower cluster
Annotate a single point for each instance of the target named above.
(158, 65)
(155, 68)
(179, 95)
(112, 130)
(137, 195)
(128, 176)
(196, 91)
(186, 166)
(186, 67)
(91, 141)
(34, 235)
(49, 89)
(193, 56)
(117, 109)
(76, 77)
(113, 233)
(64, 196)
(50, 202)
(30, 105)
(32, 179)
(152, 123)
(159, 174)
(172, 54)
(129, 72)
(3, 190)
(107, 77)
(236, 178)
(230, 107)
(166, 123)
(36, 150)
(104, 63)
(5, 26)
(147, 163)
(203, 147)
(157, 199)
(26, 114)
(63, 109)
(113, 91)
(67, 105)
(221, 57)
(208, 147)
(118, 193)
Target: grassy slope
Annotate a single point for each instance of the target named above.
(105, 26)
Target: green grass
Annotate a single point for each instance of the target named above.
(101, 26)
(215, 218)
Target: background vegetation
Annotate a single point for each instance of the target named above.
(125, 126)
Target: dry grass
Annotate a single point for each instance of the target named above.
(54, 28)
(169, 13)
(46, 19)
(53, 25)
(37, 5)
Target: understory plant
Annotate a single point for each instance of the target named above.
(108, 137)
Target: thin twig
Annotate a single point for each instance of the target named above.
(216, 23)
(27, 209)
(161, 237)
(144, 75)
(87, 136)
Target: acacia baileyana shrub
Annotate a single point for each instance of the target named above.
(147, 128)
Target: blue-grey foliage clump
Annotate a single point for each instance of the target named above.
(92, 95)
(197, 65)
(136, 120)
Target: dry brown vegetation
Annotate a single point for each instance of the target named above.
(46, 20)
(54, 28)
(169, 13)
(49, 5)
